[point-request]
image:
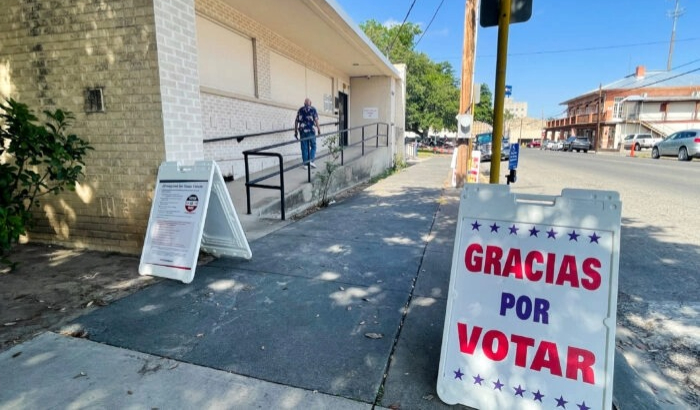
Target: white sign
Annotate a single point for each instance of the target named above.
(177, 227)
(473, 173)
(531, 306)
(370, 113)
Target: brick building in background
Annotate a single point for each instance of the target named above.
(154, 80)
(656, 102)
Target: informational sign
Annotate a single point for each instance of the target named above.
(513, 155)
(192, 209)
(509, 90)
(531, 308)
(474, 165)
(370, 113)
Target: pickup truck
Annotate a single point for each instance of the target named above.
(639, 141)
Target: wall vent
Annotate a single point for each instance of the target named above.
(94, 100)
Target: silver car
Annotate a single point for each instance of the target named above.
(683, 144)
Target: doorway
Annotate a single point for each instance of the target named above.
(343, 117)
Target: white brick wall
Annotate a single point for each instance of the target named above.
(179, 80)
(225, 117)
(229, 115)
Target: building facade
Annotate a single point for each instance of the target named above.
(657, 102)
(159, 80)
(517, 109)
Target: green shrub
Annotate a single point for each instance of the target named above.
(326, 175)
(37, 160)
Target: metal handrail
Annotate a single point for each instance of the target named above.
(260, 151)
(240, 138)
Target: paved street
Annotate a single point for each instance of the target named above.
(659, 289)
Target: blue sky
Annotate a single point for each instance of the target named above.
(566, 49)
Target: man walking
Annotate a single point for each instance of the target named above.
(307, 118)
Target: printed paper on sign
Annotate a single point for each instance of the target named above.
(530, 319)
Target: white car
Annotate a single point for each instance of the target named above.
(639, 141)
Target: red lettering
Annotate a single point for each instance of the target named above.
(513, 264)
(549, 275)
(530, 259)
(593, 282)
(536, 267)
(501, 349)
(472, 261)
(547, 356)
(568, 271)
(580, 359)
(468, 344)
(521, 345)
(493, 260)
(495, 346)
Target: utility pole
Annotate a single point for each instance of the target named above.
(599, 142)
(466, 99)
(679, 11)
(468, 57)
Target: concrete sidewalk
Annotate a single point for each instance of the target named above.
(343, 309)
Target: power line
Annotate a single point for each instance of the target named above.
(431, 22)
(400, 28)
(573, 50)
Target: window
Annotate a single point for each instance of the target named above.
(617, 107)
(225, 58)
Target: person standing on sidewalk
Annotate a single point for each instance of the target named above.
(307, 119)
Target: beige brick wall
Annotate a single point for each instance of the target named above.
(51, 52)
(229, 115)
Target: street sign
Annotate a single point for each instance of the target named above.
(513, 156)
(520, 10)
(509, 90)
(532, 300)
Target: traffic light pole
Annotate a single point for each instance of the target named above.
(500, 91)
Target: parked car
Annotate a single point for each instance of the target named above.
(535, 144)
(566, 144)
(549, 145)
(639, 141)
(484, 142)
(581, 144)
(683, 144)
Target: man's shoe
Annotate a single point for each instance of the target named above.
(305, 167)
(312, 165)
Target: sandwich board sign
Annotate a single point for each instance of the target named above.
(531, 307)
(192, 209)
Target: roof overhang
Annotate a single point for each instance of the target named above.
(323, 29)
(675, 98)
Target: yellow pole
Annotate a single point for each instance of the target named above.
(500, 91)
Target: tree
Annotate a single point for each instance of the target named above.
(40, 160)
(484, 109)
(432, 91)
